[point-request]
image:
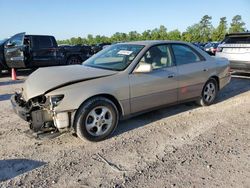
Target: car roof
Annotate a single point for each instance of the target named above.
(153, 42)
(39, 36)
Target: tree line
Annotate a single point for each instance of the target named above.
(203, 31)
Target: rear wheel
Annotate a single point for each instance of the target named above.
(74, 60)
(96, 119)
(209, 93)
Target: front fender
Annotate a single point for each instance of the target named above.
(75, 94)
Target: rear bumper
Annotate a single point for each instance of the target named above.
(242, 66)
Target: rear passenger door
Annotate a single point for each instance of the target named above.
(43, 51)
(192, 71)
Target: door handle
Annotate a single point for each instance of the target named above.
(170, 76)
(205, 70)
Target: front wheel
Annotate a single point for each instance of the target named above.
(209, 93)
(96, 119)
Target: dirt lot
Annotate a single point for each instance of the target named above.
(181, 146)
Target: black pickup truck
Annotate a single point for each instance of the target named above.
(32, 51)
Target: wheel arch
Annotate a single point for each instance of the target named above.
(216, 78)
(110, 97)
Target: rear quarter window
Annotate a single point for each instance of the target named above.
(237, 40)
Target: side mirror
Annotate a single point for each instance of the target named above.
(143, 68)
(10, 44)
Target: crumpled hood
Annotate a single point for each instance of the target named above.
(50, 78)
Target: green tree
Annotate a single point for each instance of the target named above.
(163, 35)
(133, 35)
(206, 28)
(90, 39)
(174, 35)
(192, 34)
(220, 32)
(237, 25)
(199, 32)
(146, 35)
(155, 35)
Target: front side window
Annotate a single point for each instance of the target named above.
(158, 56)
(116, 57)
(17, 40)
(184, 54)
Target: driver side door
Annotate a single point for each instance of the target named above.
(157, 87)
(14, 51)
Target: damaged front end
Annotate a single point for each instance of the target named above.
(40, 112)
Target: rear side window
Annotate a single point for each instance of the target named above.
(184, 54)
(237, 40)
(42, 42)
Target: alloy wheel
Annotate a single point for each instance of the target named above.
(98, 121)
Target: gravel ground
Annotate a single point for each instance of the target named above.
(180, 146)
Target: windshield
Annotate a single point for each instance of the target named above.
(116, 57)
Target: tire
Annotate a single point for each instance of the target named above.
(74, 60)
(209, 93)
(96, 119)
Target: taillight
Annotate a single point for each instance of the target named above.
(213, 50)
(229, 70)
(219, 49)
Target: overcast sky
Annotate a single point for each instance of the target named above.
(72, 18)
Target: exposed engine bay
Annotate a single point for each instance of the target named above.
(39, 112)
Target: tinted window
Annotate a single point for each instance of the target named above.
(42, 42)
(17, 40)
(237, 40)
(184, 54)
(158, 57)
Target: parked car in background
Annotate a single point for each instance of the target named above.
(98, 47)
(198, 44)
(32, 51)
(120, 81)
(211, 47)
(236, 48)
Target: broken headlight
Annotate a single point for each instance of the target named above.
(55, 100)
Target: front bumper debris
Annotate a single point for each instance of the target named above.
(39, 119)
(22, 112)
(42, 121)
